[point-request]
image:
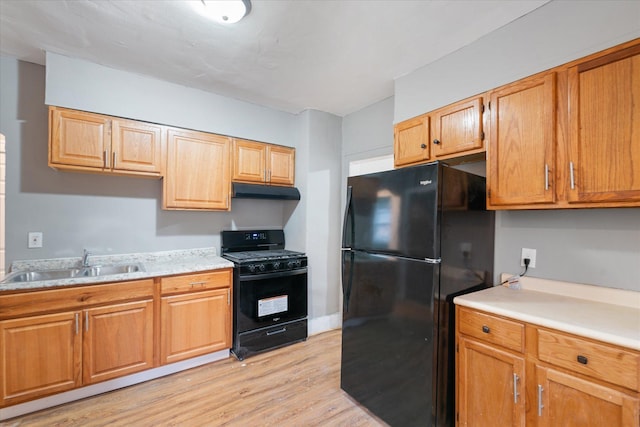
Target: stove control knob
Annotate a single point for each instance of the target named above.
(276, 265)
(252, 268)
(262, 267)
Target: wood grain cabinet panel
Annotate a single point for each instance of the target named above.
(604, 126)
(56, 340)
(458, 128)
(262, 163)
(90, 142)
(490, 386)
(411, 141)
(554, 379)
(565, 400)
(194, 324)
(118, 340)
(198, 171)
(40, 355)
(521, 154)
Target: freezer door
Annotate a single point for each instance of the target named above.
(387, 336)
(395, 212)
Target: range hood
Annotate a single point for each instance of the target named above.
(256, 191)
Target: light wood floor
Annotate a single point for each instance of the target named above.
(298, 385)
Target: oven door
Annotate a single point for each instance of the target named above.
(268, 299)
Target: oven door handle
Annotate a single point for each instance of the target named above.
(252, 277)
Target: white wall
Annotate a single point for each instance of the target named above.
(598, 247)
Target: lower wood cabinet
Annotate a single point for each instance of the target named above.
(43, 354)
(197, 320)
(551, 378)
(55, 340)
(491, 386)
(40, 355)
(117, 340)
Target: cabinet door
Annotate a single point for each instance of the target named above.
(118, 340)
(79, 139)
(249, 161)
(522, 144)
(39, 355)
(136, 147)
(198, 175)
(457, 128)
(490, 386)
(565, 400)
(411, 141)
(604, 121)
(281, 162)
(195, 324)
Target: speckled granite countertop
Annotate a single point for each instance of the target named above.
(155, 264)
(604, 314)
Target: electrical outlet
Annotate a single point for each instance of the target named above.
(528, 253)
(35, 239)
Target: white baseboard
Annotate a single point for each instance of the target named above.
(325, 323)
(92, 390)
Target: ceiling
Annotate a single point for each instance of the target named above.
(291, 55)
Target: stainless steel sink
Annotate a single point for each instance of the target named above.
(69, 273)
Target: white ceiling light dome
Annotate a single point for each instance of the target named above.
(223, 11)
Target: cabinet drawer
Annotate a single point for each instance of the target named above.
(197, 282)
(16, 305)
(493, 329)
(597, 360)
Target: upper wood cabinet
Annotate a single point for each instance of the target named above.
(197, 174)
(604, 128)
(521, 153)
(91, 142)
(569, 137)
(257, 162)
(458, 129)
(411, 141)
(448, 132)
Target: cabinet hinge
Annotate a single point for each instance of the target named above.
(457, 348)
(489, 105)
(483, 108)
(488, 193)
(482, 136)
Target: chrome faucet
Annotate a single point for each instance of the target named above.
(85, 258)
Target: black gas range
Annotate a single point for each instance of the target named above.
(270, 291)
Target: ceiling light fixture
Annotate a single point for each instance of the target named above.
(223, 11)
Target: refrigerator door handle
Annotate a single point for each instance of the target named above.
(347, 283)
(348, 215)
(433, 260)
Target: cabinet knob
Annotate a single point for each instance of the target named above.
(485, 329)
(423, 145)
(436, 141)
(582, 359)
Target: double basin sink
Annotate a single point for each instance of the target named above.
(70, 273)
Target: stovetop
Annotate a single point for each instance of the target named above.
(258, 256)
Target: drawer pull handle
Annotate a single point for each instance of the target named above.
(197, 284)
(582, 359)
(279, 331)
(485, 329)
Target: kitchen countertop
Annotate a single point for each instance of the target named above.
(604, 314)
(155, 264)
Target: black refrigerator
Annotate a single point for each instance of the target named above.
(413, 239)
